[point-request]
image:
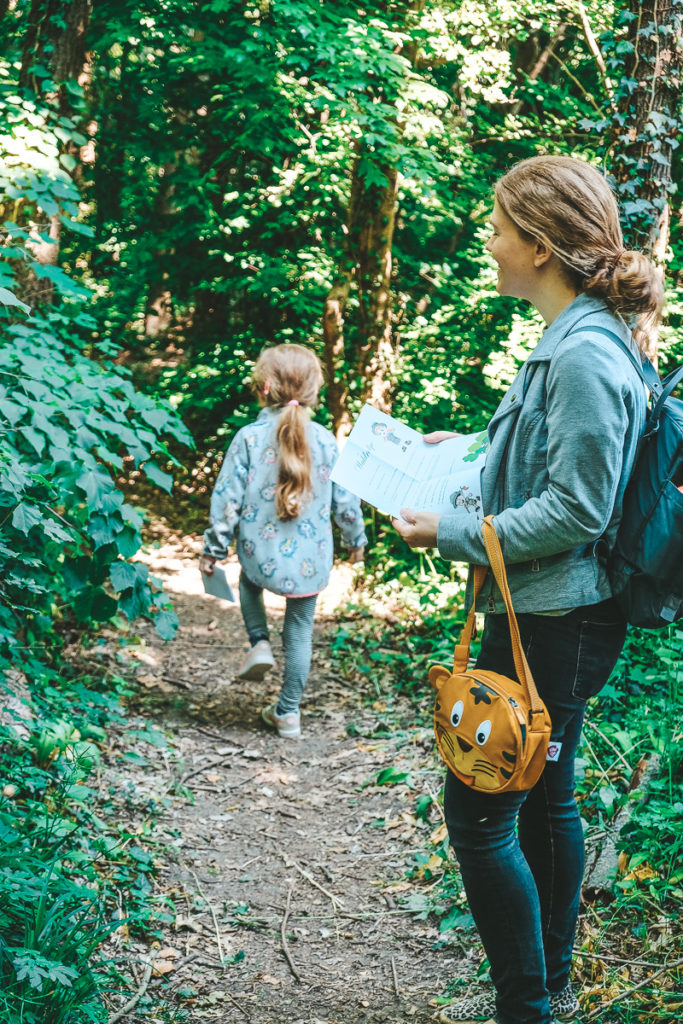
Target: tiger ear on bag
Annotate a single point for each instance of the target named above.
(438, 676)
(492, 732)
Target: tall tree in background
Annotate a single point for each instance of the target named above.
(646, 127)
(52, 60)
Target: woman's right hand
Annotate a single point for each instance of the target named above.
(437, 436)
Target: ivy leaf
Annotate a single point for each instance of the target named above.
(103, 529)
(61, 280)
(76, 572)
(122, 575)
(11, 410)
(128, 542)
(166, 623)
(8, 298)
(96, 485)
(35, 439)
(158, 477)
(25, 517)
(55, 531)
(136, 600)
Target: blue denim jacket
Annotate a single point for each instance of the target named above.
(292, 558)
(563, 441)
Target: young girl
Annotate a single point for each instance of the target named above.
(274, 488)
(562, 445)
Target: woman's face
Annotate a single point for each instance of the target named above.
(517, 258)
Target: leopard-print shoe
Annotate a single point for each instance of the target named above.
(479, 1007)
(482, 1006)
(563, 1004)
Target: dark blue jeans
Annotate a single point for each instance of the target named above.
(523, 884)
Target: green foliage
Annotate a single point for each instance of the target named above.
(70, 418)
(71, 425)
(51, 924)
(71, 871)
(192, 204)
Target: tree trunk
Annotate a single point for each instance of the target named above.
(55, 37)
(374, 221)
(646, 127)
(367, 261)
(159, 306)
(333, 336)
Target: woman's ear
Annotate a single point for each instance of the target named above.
(542, 254)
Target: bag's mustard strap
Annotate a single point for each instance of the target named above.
(461, 653)
(495, 556)
(462, 650)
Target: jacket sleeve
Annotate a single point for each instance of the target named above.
(346, 508)
(227, 499)
(587, 421)
(348, 517)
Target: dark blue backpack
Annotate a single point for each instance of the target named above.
(645, 564)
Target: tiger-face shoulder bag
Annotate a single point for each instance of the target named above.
(492, 731)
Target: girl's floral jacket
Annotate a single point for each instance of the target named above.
(291, 558)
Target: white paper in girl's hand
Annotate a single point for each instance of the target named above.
(391, 466)
(217, 584)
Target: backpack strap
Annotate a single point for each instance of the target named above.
(644, 369)
(668, 385)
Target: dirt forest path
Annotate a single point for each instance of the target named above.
(285, 860)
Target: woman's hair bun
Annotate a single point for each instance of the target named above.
(630, 283)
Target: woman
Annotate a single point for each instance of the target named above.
(562, 446)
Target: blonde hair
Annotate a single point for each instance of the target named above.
(290, 376)
(567, 204)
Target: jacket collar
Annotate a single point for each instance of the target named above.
(269, 412)
(582, 308)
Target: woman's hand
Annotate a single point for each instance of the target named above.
(206, 564)
(419, 530)
(437, 436)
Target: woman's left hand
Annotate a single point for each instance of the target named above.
(419, 529)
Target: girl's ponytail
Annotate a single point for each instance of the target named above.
(290, 376)
(294, 484)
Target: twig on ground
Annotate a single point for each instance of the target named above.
(394, 976)
(213, 916)
(283, 936)
(209, 733)
(133, 1001)
(337, 903)
(435, 801)
(184, 779)
(287, 814)
(240, 1008)
(603, 871)
(647, 981)
(184, 684)
(608, 741)
(615, 959)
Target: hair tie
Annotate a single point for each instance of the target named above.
(611, 263)
(292, 401)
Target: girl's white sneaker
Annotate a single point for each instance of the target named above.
(258, 661)
(288, 726)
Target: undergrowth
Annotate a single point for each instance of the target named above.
(629, 787)
(76, 878)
